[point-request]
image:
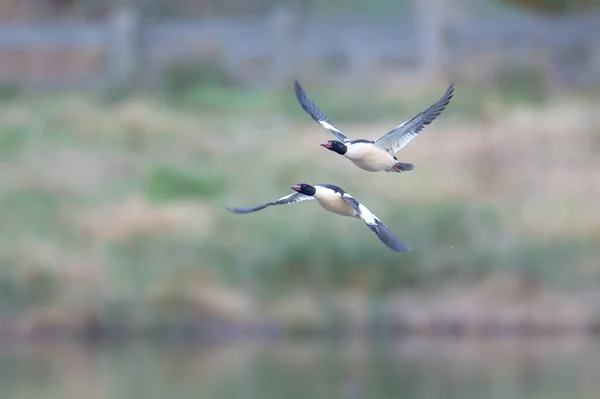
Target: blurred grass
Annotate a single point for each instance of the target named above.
(124, 201)
(206, 86)
(165, 183)
(348, 105)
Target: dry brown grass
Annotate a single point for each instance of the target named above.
(135, 216)
(537, 167)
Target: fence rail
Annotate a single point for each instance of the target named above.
(251, 49)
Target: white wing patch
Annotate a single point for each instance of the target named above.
(384, 234)
(331, 128)
(366, 214)
(363, 212)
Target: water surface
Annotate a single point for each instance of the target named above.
(408, 369)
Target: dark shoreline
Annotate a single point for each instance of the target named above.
(223, 333)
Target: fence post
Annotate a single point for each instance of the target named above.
(282, 24)
(124, 47)
(430, 28)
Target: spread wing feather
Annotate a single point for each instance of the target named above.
(384, 234)
(401, 135)
(311, 109)
(288, 199)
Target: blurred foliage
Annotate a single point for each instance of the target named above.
(11, 140)
(10, 289)
(555, 6)
(360, 105)
(30, 208)
(167, 183)
(9, 91)
(196, 150)
(206, 87)
(40, 285)
(182, 77)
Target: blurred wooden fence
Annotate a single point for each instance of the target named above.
(266, 50)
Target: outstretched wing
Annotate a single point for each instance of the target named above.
(400, 136)
(288, 199)
(310, 108)
(385, 235)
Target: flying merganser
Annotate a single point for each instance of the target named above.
(335, 200)
(378, 155)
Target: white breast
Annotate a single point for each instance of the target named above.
(333, 202)
(369, 158)
(338, 206)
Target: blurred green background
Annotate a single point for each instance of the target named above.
(127, 127)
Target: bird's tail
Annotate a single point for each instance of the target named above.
(402, 167)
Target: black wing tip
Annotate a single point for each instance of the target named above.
(307, 105)
(447, 96)
(300, 94)
(241, 211)
(399, 246)
(440, 105)
(389, 238)
(302, 97)
(393, 242)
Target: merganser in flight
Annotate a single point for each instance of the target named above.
(378, 155)
(335, 200)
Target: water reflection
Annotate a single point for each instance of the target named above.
(412, 369)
